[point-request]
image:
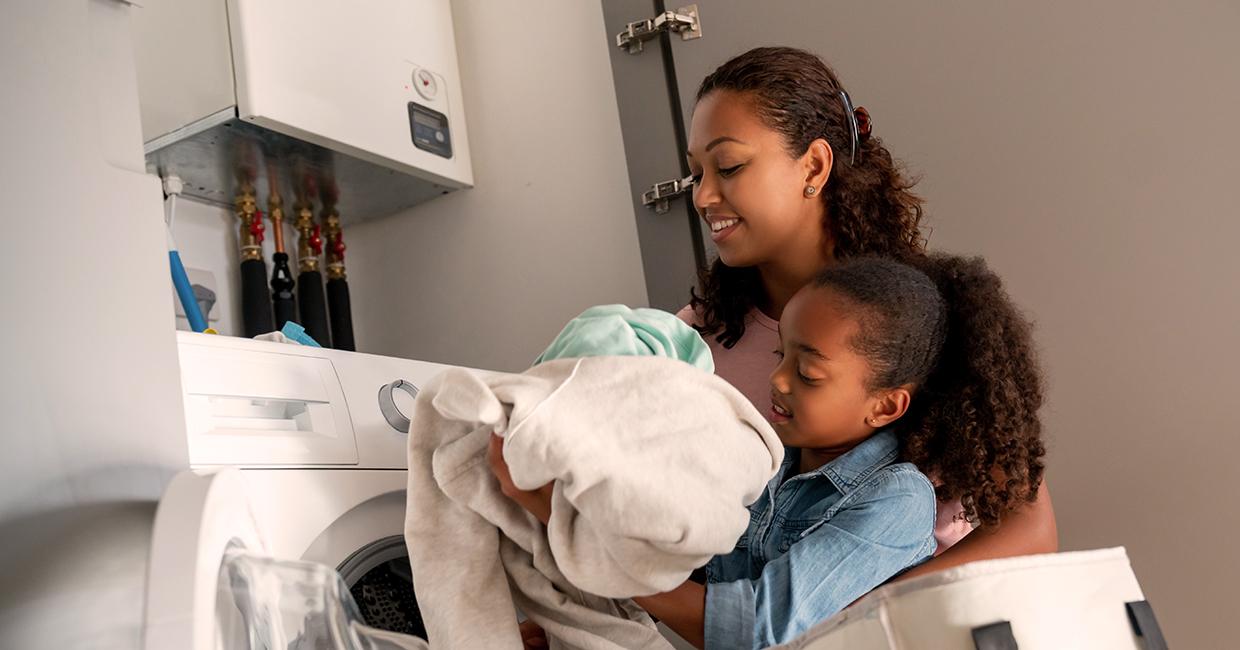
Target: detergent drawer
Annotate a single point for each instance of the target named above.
(256, 408)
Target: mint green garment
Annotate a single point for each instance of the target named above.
(616, 330)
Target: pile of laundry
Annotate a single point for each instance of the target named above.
(653, 460)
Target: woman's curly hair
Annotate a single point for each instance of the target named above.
(870, 208)
(944, 325)
(974, 426)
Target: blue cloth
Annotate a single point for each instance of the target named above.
(294, 331)
(818, 541)
(616, 330)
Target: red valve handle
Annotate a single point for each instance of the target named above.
(338, 246)
(316, 240)
(257, 227)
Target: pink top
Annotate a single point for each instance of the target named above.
(748, 366)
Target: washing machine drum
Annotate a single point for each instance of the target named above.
(381, 583)
(1088, 599)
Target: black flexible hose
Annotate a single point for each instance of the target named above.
(255, 300)
(341, 314)
(313, 306)
(282, 299)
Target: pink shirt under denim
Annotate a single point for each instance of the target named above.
(748, 366)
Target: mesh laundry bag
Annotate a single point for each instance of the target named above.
(263, 603)
(1087, 600)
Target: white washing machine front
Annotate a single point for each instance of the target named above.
(320, 439)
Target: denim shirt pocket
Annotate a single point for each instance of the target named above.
(737, 563)
(795, 530)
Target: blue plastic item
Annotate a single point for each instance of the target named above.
(186, 293)
(297, 333)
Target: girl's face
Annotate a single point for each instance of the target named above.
(819, 390)
(750, 191)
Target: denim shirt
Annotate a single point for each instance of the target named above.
(818, 541)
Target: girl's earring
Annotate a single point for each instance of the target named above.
(810, 190)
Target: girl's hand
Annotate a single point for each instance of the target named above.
(537, 502)
(683, 609)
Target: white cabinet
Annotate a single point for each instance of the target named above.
(324, 99)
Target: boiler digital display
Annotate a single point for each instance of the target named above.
(427, 120)
(430, 130)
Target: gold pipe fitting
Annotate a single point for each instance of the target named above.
(309, 244)
(247, 209)
(335, 243)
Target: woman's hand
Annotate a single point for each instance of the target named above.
(532, 636)
(1027, 530)
(537, 502)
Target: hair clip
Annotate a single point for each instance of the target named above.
(853, 131)
(865, 126)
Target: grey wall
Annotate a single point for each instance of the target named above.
(1089, 151)
(486, 277)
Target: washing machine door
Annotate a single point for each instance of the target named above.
(213, 586)
(202, 516)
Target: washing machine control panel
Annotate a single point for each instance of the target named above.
(391, 411)
(265, 404)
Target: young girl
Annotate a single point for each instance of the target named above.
(790, 180)
(875, 359)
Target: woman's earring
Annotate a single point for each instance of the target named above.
(809, 191)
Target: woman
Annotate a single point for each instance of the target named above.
(791, 180)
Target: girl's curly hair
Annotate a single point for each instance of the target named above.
(975, 424)
(870, 208)
(944, 325)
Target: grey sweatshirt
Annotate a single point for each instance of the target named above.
(653, 462)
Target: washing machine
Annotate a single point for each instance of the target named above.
(317, 439)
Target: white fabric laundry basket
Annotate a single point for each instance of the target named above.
(1062, 601)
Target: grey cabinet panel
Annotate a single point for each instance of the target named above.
(650, 142)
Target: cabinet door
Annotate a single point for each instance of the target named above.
(651, 119)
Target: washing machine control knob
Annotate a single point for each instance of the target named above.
(387, 404)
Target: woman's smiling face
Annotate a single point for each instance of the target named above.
(747, 186)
